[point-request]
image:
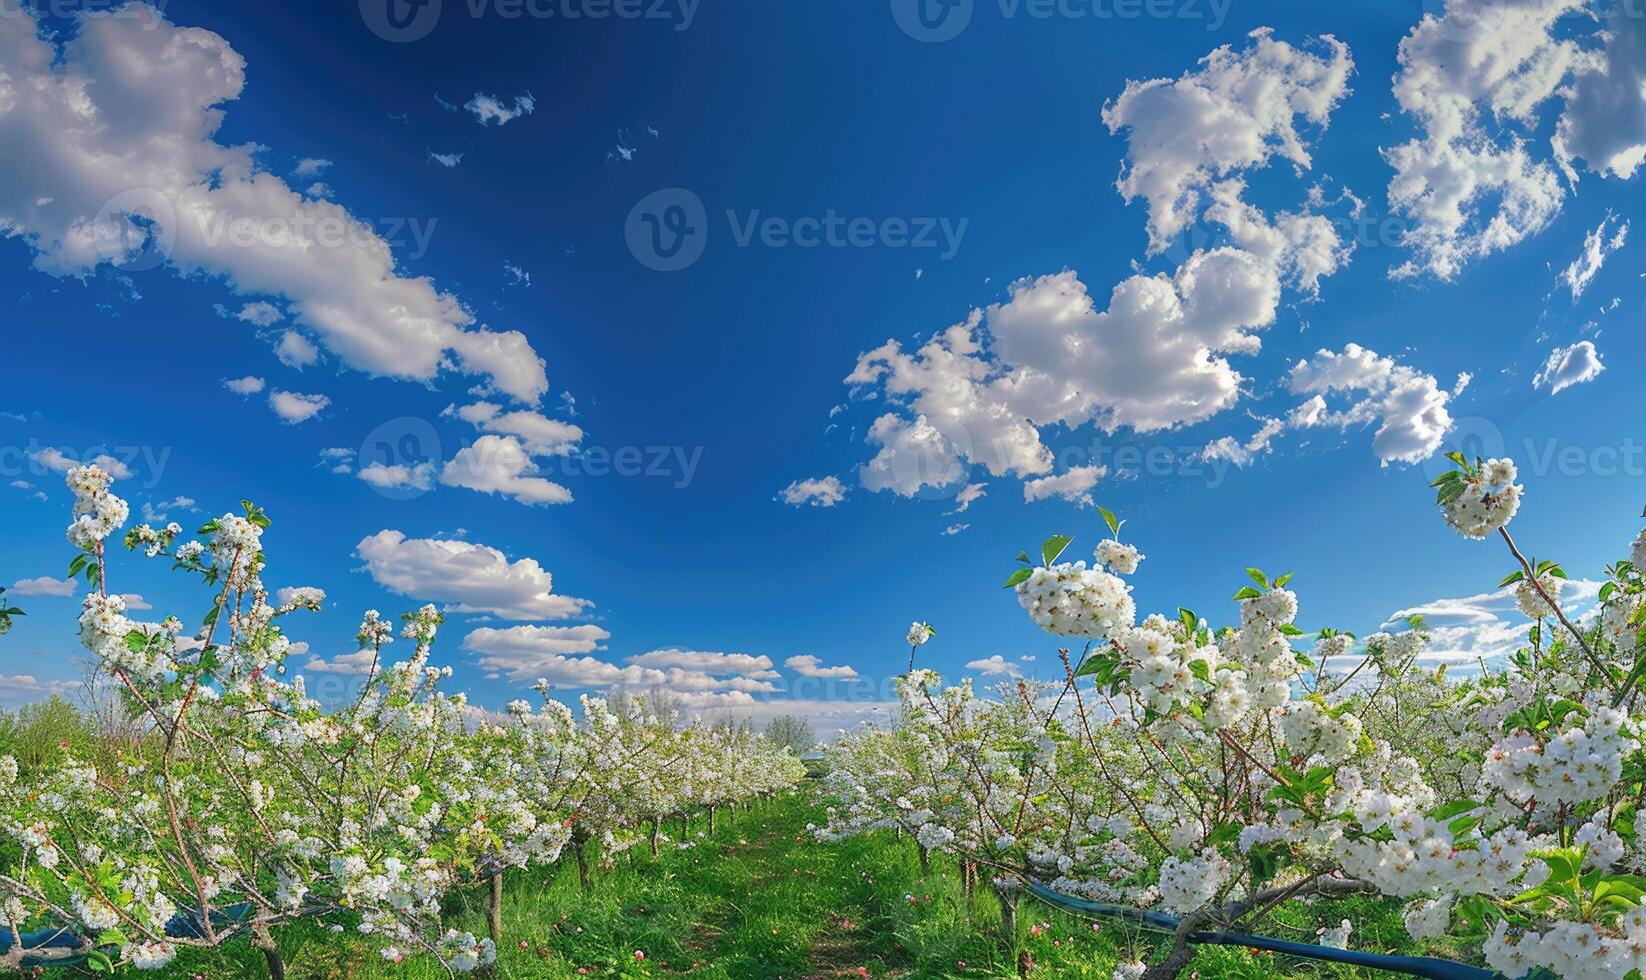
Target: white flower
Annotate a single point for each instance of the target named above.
(1531, 602)
(1122, 558)
(1428, 919)
(152, 956)
(1072, 600)
(97, 513)
(1186, 885)
(919, 633)
(95, 913)
(1489, 500)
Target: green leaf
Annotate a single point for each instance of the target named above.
(211, 617)
(1459, 459)
(1280, 583)
(1267, 860)
(1463, 825)
(1247, 593)
(1019, 576)
(1225, 833)
(78, 565)
(1455, 808)
(1023, 556)
(1110, 519)
(1054, 546)
(1512, 579)
(1256, 575)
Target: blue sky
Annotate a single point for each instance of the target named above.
(970, 164)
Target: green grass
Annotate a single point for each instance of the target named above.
(758, 899)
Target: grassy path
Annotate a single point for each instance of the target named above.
(756, 899)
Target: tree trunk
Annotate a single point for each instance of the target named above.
(1008, 914)
(657, 826)
(711, 819)
(583, 866)
(261, 939)
(494, 914)
(1172, 966)
(1181, 955)
(925, 859)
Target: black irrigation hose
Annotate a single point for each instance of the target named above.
(1413, 966)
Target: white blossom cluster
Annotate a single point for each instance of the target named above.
(1185, 768)
(362, 815)
(1489, 500)
(1122, 559)
(97, 513)
(1070, 599)
(1530, 597)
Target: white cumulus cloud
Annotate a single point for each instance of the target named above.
(466, 576)
(1408, 406)
(248, 385)
(1569, 366)
(1239, 109)
(44, 585)
(1158, 355)
(1074, 486)
(501, 465)
(553, 653)
(824, 491)
(113, 158)
(995, 666)
(295, 407)
(807, 665)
